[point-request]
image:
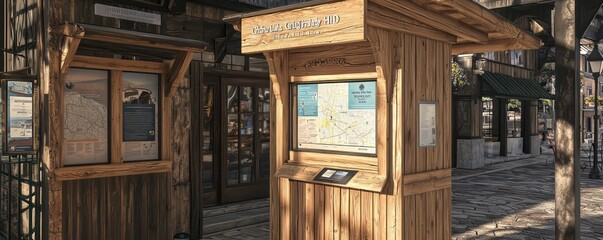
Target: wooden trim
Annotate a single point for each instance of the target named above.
(117, 64)
(486, 18)
(125, 37)
(492, 46)
(363, 180)
(116, 117)
(70, 47)
(177, 71)
(166, 123)
(334, 160)
(381, 17)
(112, 170)
(338, 77)
(427, 181)
(435, 20)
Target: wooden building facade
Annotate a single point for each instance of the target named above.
(510, 123)
(98, 66)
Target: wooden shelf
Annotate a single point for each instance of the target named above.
(363, 180)
(112, 170)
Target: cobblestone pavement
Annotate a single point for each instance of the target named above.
(511, 204)
(519, 204)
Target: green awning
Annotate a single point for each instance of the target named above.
(499, 85)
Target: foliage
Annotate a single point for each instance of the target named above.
(592, 100)
(514, 105)
(459, 77)
(547, 77)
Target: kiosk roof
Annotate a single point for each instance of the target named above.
(469, 26)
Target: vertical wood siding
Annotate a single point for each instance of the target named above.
(131, 207)
(329, 212)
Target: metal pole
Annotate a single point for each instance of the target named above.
(594, 171)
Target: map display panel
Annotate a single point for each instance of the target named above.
(337, 117)
(86, 117)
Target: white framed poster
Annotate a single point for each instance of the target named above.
(427, 124)
(19, 117)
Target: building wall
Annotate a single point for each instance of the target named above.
(150, 206)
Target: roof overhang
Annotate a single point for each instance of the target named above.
(470, 27)
(119, 41)
(499, 85)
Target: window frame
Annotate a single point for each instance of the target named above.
(372, 171)
(116, 166)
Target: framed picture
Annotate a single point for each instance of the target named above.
(18, 117)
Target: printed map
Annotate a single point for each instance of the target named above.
(85, 118)
(337, 117)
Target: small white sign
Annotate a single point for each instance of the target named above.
(427, 124)
(127, 14)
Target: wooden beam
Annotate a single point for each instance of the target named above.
(382, 17)
(567, 122)
(485, 17)
(177, 71)
(117, 64)
(427, 181)
(494, 46)
(112, 170)
(124, 37)
(70, 46)
(116, 117)
(220, 51)
(435, 20)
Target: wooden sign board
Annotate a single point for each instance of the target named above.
(331, 23)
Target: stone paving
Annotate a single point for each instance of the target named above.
(512, 203)
(519, 204)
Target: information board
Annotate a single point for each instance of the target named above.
(85, 128)
(140, 116)
(337, 116)
(19, 117)
(335, 175)
(427, 124)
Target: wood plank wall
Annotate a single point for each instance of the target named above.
(153, 206)
(130, 207)
(302, 210)
(502, 60)
(150, 206)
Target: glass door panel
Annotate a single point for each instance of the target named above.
(210, 147)
(247, 138)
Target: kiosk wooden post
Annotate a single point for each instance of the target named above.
(401, 177)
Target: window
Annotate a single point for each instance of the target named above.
(517, 58)
(514, 118)
(90, 112)
(487, 119)
(488, 55)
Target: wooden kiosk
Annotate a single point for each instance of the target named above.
(361, 111)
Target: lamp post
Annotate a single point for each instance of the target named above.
(595, 60)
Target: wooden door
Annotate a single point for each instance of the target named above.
(245, 139)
